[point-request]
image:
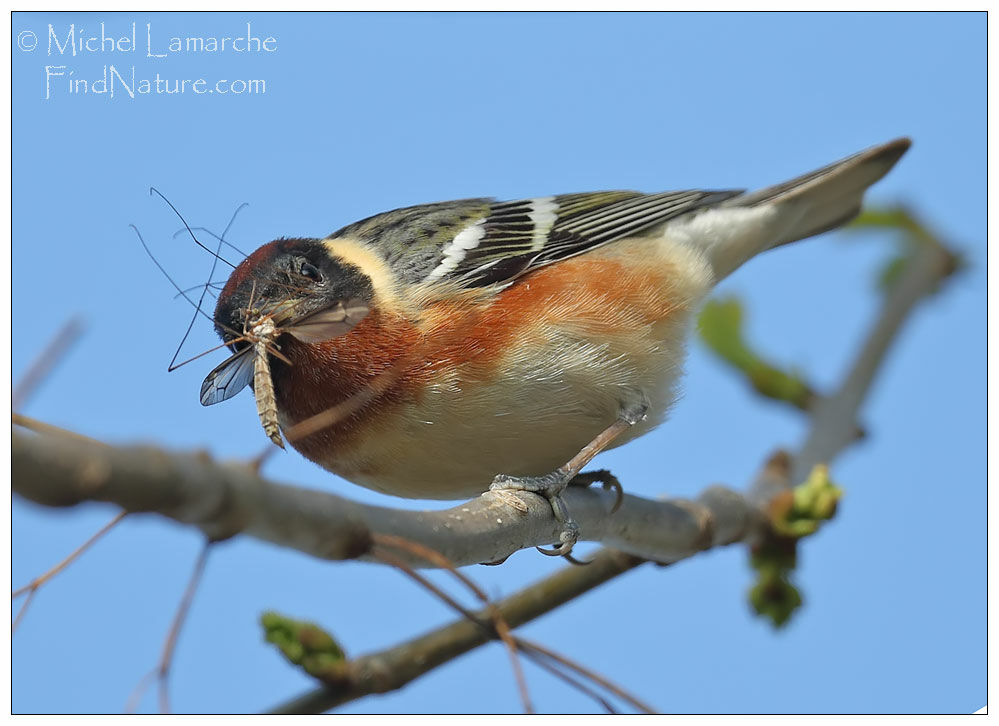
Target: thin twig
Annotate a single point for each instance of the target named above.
(587, 673)
(257, 462)
(140, 688)
(513, 649)
(42, 579)
(539, 660)
(431, 555)
(162, 671)
(499, 624)
(23, 610)
(537, 653)
(553, 668)
(395, 667)
(515, 643)
(178, 622)
(32, 587)
(40, 368)
(41, 427)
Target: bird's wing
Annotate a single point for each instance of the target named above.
(517, 237)
(480, 242)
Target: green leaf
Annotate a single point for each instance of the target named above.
(721, 329)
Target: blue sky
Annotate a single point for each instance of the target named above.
(364, 113)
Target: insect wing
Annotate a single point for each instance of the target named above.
(228, 379)
(327, 324)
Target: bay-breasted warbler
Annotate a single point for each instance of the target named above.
(438, 350)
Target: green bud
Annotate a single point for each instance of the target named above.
(302, 643)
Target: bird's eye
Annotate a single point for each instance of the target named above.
(310, 271)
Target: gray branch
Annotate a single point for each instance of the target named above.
(224, 500)
(834, 417)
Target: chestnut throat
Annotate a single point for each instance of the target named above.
(349, 371)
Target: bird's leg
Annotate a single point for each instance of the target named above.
(551, 485)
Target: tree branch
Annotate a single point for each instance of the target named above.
(834, 417)
(228, 499)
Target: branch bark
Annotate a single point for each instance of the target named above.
(224, 500)
(834, 417)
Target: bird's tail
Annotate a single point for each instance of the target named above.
(809, 205)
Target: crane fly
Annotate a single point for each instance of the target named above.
(251, 362)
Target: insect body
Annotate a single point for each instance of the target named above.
(263, 334)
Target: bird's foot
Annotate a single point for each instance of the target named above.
(550, 486)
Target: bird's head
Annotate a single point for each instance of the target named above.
(300, 285)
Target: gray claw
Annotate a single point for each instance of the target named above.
(567, 540)
(550, 486)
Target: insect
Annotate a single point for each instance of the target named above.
(251, 361)
(441, 350)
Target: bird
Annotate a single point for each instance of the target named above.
(443, 350)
